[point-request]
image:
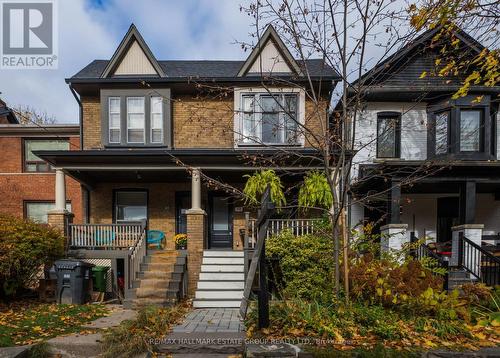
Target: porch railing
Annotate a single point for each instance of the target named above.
(478, 262)
(296, 226)
(136, 258)
(105, 236)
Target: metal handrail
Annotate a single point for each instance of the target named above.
(478, 262)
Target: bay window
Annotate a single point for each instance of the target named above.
(135, 120)
(269, 118)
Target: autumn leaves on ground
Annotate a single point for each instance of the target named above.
(28, 322)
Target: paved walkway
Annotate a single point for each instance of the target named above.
(211, 320)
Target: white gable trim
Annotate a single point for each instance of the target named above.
(273, 53)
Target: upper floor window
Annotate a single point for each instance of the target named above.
(34, 164)
(471, 130)
(269, 118)
(135, 120)
(442, 124)
(388, 134)
(135, 117)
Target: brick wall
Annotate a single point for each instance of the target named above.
(17, 187)
(91, 122)
(198, 122)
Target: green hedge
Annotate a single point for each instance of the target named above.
(25, 248)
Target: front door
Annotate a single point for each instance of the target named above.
(447, 217)
(221, 223)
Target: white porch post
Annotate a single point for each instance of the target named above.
(473, 232)
(60, 191)
(195, 190)
(394, 237)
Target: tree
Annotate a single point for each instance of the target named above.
(29, 115)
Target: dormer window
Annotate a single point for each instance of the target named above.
(269, 119)
(136, 118)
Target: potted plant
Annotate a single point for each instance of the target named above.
(180, 241)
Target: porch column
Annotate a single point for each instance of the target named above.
(473, 232)
(394, 202)
(196, 231)
(393, 237)
(467, 202)
(59, 217)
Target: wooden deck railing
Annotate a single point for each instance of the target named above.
(296, 226)
(105, 236)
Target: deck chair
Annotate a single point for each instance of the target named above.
(155, 237)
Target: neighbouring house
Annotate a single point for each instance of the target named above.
(426, 165)
(7, 115)
(156, 134)
(26, 181)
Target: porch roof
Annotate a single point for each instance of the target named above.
(164, 165)
(428, 176)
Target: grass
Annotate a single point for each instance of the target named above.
(31, 322)
(133, 337)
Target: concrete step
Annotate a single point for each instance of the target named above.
(221, 276)
(222, 268)
(219, 294)
(154, 283)
(223, 261)
(154, 275)
(229, 285)
(216, 253)
(216, 303)
(157, 266)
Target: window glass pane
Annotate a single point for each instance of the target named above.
(135, 119)
(39, 211)
(271, 128)
(131, 206)
(442, 132)
(156, 119)
(114, 105)
(135, 105)
(156, 135)
(386, 137)
(34, 145)
(156, 105)
(249, 127)
(220, 215)
(470, 127)
(136, 136)
(114, 120)
(290, 105)
(114, 136)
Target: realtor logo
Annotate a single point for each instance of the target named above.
(28, 36)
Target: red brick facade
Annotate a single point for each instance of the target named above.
(18, 187)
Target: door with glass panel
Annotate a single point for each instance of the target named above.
(220, 222)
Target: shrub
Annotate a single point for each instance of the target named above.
(305, 264)
(389, 282)
(25, 247)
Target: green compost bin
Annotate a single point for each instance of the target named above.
(99, 276)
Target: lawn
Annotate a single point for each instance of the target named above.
(30, 322)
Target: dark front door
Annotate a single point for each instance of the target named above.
(221, 223)
(447, 217)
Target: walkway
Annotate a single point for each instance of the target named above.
(211, 320)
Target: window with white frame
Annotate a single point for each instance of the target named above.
(156, 120)
(269, 118)
(114, 120)
(135, 120)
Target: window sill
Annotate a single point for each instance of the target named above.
(269, 145)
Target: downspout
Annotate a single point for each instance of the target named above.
(80, 115)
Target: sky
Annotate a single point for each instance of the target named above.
(92, 29)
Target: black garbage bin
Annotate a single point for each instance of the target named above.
(73, 281)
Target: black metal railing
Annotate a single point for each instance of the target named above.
(478, 262)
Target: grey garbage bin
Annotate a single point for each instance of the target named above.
(73, 281)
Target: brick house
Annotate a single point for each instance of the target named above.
(26, 181)
(155, 134)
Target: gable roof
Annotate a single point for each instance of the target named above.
(411, 51)
(269, 36)
(8, 113)
(204, 69)
(131, 38)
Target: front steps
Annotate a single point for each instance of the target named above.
(160, 280)
(458, 277)
(221, 280)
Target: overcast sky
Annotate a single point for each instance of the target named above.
(92, 29)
